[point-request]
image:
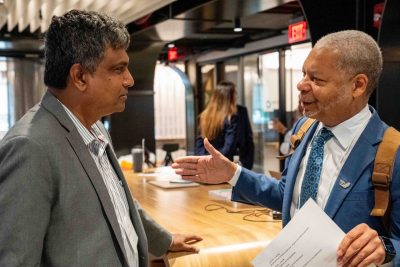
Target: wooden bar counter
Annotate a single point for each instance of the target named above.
(228, 239)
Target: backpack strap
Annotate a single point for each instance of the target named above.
(383, 168)
(296, 138)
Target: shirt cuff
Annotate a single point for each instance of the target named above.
(235, 177)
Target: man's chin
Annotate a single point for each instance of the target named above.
(119, 108)
(313, 114)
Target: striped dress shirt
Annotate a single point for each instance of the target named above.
(97, 144)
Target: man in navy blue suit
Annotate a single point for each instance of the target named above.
(339, 75)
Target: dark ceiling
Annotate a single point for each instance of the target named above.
(193, 26)
(208, 25)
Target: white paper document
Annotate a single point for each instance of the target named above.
(311, 239)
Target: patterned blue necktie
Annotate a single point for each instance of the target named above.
(309, 187)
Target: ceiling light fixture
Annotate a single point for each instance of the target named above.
(237, 26)
(170, 45)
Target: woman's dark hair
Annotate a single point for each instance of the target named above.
(222, 106)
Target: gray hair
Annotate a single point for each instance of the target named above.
(80, 37)
(358, 54)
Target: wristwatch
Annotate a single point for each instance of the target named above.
(389, 249)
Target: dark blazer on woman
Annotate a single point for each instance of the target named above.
(244, 136)
(225, 142)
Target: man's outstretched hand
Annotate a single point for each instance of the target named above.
(212, 169)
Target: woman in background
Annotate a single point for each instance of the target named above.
(219, 121)
(285, 131)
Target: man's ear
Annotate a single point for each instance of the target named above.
(77, 76)
(360, 82)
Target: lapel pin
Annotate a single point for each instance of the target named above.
(344, 184)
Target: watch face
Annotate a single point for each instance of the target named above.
(389, 249)
(387, 243)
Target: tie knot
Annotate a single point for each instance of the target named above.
(323, 136)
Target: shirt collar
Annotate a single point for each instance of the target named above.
(345, 132)
(88, 136)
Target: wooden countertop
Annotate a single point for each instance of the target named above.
(228, 239)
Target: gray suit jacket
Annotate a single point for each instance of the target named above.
(54, 207)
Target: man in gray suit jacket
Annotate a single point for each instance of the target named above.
(63, 198)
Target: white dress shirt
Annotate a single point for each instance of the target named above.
(336, 152)
(97, 144)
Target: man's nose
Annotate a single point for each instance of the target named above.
(128, 80)
(303, 84)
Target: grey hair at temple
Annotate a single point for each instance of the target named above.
(358, 53)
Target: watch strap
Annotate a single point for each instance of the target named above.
(390, 251)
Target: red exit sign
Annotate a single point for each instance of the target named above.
(173, 54)
(297, 32)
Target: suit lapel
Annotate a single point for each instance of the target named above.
(95, 177)
(361, 156)
(292, 172)
(51, 104)
(135, 217)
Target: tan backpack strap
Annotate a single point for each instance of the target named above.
(296, 138)
(383, 168)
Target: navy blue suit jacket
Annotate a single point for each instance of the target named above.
(347, 207)
(225, 142)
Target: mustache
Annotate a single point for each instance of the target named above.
(306, 100)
